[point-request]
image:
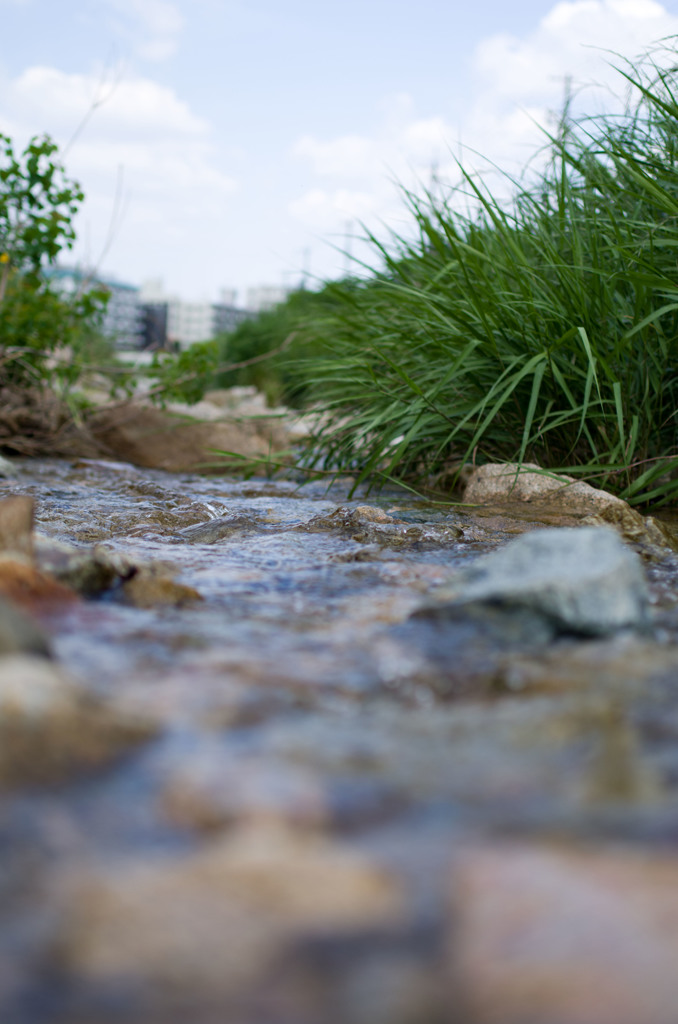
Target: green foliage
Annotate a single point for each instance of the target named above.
(46, 337)
(545, 328)
(184, 376)
(280, 332)
(37, 206)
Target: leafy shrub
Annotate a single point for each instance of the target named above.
(37, 206)
(274, 345)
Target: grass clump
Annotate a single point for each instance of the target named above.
(544, 328)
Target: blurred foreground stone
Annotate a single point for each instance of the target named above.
(215, 924)
(553, 935)
(49, 727)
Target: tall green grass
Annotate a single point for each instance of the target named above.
(544, 328)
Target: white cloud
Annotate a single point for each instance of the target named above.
(143, 131)
(152, 26)
(517, 85)
(136, 106)
(577, 39)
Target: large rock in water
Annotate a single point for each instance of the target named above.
(585, 580)
(506, 482)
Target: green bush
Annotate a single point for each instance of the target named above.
(274, 345)
(542, 329)
(44, 336)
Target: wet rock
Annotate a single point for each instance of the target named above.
(369, 525)
(507, 482)
(92, 571)
(550, 934)
(213, 924)
(651, 536)
(218, 529)
(35, 569)
(153, 438)
(89, 571)
(149, 587)
(19, 633)
(584, 580)
(346, 519)
(49, 727)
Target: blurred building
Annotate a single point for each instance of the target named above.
(171, 322)
(266, 296)
(122, 321)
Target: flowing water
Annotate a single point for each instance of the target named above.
(296, 712)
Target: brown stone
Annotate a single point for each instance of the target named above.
(145, 589)
(156, 439)
(564, 936)
(649, 534)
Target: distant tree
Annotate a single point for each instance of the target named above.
(38, 203)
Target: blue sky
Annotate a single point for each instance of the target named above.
(244, 139)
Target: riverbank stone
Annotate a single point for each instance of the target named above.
(649, 535)
(527, 482)
(585, 581)
(156, 439)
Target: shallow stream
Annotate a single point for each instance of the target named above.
(307, 737)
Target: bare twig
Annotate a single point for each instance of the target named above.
(228, 367)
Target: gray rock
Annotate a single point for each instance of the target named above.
(585, 580)
(219, 529)
(369, 525)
